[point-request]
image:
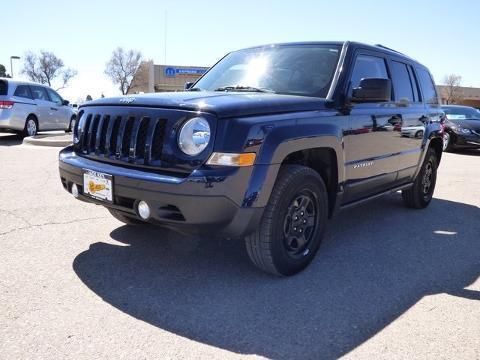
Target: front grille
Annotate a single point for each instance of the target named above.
(135, 140)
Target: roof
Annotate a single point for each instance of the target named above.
(377, 47)
(25, 82)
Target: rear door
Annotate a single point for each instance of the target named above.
(46, 120)
(432, 108)
(410, 132)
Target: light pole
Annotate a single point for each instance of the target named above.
(11, 65)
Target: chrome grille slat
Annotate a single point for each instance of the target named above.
(131, 138)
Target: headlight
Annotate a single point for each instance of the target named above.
(465, 131)
(194, 136)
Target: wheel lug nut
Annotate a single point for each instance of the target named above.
(294, 229)
(301, 230)
(296, 217)
(304, 221)
(301, 213)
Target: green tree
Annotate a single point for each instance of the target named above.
(3, 71)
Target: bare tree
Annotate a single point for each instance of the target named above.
(453, 90)
(122, 67)
(46, 68)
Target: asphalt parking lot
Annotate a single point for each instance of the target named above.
(388, 282)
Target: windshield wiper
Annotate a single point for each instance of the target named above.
(195, 89)
(244, 88)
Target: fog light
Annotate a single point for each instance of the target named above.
(143, 210)
(75, 190)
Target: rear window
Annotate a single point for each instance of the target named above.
(23, 91)
(3, 87)
(428, 87)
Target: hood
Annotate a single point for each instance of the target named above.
(468, 124)
(222, 104)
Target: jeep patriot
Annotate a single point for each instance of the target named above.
(266, 146)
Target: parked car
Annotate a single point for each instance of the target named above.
(266, 146)
(27, 108)
(461, 127)
(415, 131)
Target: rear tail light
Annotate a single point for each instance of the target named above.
(6, 104)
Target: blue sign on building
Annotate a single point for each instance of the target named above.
(172, 72)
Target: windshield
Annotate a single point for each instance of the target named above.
(286, 69)
(461, 113)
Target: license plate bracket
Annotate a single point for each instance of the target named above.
(98, 185)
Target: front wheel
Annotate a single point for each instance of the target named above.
(447, 142)
(420, 194)
(293, 223)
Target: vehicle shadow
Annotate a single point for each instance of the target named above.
(376, 262)
(10, 140)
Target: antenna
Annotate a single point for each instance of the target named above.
(165, 40)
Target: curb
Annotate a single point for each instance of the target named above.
(48, 140)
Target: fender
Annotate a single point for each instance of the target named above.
(310, 132)
(432, 131)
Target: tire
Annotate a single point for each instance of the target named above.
(124, 218)
(273, 247)
(31, 127)
(419, 134)
(447, 142)
(420, 194)
(71, 125)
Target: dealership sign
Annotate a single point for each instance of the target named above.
(172, 72)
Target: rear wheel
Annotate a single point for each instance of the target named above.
(31, 127)
(293, 223)
(419, 134)
(124, 218)
(420, 194)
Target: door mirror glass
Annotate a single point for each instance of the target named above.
(372, 90)
(65, 102)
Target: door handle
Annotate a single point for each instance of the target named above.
(54, 109)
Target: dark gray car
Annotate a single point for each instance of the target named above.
(27, 108)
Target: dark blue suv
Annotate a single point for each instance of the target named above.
(267, 145)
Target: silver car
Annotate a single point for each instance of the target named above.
(27, 108)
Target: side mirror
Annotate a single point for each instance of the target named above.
(65, 102)
(188, 85)
(372, 90)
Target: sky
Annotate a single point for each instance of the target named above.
(443, 35)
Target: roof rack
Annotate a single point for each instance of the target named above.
(387, 48)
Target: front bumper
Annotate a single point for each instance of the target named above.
(206, 201)
(467, 140)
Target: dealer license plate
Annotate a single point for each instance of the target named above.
(98, 185)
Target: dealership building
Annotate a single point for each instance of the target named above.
(160, 78)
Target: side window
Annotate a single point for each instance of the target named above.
(23, 91)
(54, 97)
(428, 88)
(413, 80)
(367, 67)
(39, 93)
(401, 82)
